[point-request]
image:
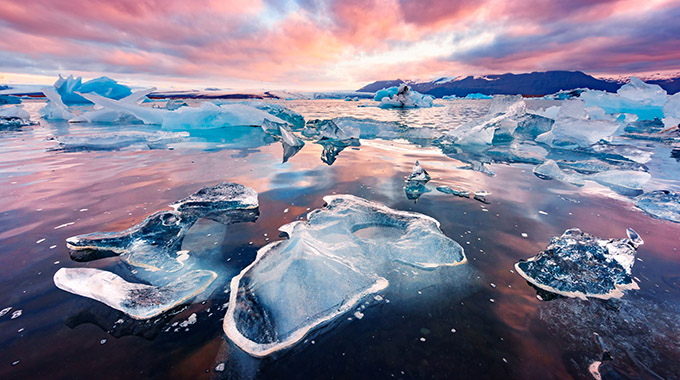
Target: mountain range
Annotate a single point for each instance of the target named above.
(529, 84)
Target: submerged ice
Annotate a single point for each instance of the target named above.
(154, 248)
(577, 264)
(329, 262)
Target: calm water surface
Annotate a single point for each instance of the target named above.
(447, 323)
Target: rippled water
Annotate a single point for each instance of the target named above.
(448, 323)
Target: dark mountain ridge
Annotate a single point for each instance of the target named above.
(537, 83)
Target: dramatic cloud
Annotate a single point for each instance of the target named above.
(332, 44)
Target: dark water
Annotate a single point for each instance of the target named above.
(446, 323)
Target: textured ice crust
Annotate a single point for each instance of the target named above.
(577, 264)
(154, 248)
(662, 204)
(328, 264)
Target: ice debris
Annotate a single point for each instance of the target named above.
(418, 173)
(577, 264)
(14, 116)
(415, 186)
(328, 264)
(405, 97)
(661, 204)
(550, 170)
(574, 127)
(55, 109)
(155, 247)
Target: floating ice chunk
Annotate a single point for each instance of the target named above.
(153, 244)
(577, 264)
(294, 119)
(476, 95)
(70, 88)
(636, 97)
(457, 191)
(174, 104)
(329, 130)
(571, 132)
(671, 112)
(16, 111)
(4, 311)
(106, 115)
(418, 173)
(550, 170)
(627, 182)
(481, 196)
(118, 140)
(209, 115)
(139, 301)
(216, 202)
(145, 114)
(289, 138)
(328, 264)
(406, 98)
(55, 109)
(662, 204)
(639, 91)
(385, 93)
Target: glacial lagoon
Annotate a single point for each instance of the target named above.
(447, 303)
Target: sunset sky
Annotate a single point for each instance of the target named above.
(318, 45)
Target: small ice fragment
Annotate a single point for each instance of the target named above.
(20, 330)
(422, 339)
(4, 311)
(358, 314)
(419, 174)
(457, 191)
(542, 212)
(16, 362)
(103, 341)
(492, 300)
(661, 204)
(64, 225)
(634, 237)
(190, 321)
(219, 367)
(53, 246)
(82, 210)
(524, 234)
(40, 241)
(481, 196)
(453, 331)
(285, 211)
(378, 297)
(492, 285)
(16, 314)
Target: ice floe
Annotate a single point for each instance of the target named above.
(577, 264)
(326, 266)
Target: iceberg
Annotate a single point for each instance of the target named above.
(671, 112)
(328, 264)
(385, 93)
(636, 97)
(573, 128)
(55, 109)
(71, 89)
(155, 249)
(476, 95)
(661, 204)
(580, 265)
(405, 97)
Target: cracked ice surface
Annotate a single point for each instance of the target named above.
(155, 248)
(577, 264)
(328, 264)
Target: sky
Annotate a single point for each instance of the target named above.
(326, 44)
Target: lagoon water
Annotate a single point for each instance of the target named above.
(478, 320)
